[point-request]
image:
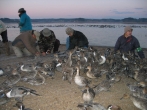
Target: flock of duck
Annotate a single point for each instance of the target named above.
(82, 66)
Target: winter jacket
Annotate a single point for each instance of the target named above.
(25, 23)
(128, 44)
(25, 40)
(2, 27)
(46, 43)
(78, 39)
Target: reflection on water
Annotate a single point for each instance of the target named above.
(97, 34)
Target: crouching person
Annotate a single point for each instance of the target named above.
(76, 38)
(25, 44)
(47, 42)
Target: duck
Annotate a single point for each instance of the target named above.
(142, 84)
(27, 67)
(80, 80)
(3, 99)
(21, 106)
(88, 95)
(113, 107)
(18, 92)
(138, 91)
(102, 60)
(13, 78)
(1, 72)
(91, 74)
(48, 69)
(138, 102)
(25, 76)
(92, 106)
(37, 80)
(140, 76)
(105, 85)
(68, 74)
(68, 63)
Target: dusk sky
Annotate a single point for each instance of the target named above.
(96, 9)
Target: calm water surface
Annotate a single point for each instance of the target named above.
(97, 34)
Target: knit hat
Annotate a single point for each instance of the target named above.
(21, 10)
(37, 34)
(127, 28)
(69, 30)
(46, 32)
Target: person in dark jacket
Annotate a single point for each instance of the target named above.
(76, 38)
(25, 21)
(48, 42)
(128, 43)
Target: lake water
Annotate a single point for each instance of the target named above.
(97, 34)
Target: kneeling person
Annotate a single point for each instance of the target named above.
(25, 44)
(48, 42)
(75, 39)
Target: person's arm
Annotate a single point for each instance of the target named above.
(139, 49)
(72, 43)
(51, 42)
(117, 45)
(22, 20)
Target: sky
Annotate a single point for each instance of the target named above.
(93, 9)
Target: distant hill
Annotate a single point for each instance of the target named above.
(79, 20)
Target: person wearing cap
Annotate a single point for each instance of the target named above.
(3, 33)
(25, 44)
(128, 43)
(76, 38)
(25, 21)
(48, 42)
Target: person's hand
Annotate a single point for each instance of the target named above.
(48, 51)
(37, 54)
(43, 54)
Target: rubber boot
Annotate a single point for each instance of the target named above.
(7, 48)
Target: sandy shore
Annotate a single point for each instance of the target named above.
(57, 94)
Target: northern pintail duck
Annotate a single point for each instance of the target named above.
(92, 106)
(3, 98)
(140, 76)
(103, 86)
(37, 80)
(13, 78)
(21, 106)
(138, 91)
(27, 67)
(142, 84)
(80, 80)
(113, 107)
(88, 95)
(138, 102)
(18, 92)
(92, 74)
(68, 74)
(1, 72)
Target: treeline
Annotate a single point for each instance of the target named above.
(79, 20)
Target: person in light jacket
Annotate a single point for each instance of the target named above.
(3, 33)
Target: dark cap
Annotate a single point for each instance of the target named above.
(21, 10)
